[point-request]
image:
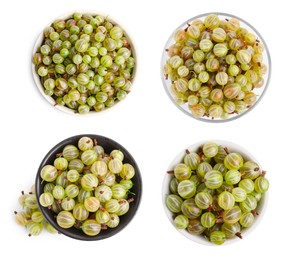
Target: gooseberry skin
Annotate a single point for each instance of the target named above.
(232, 177)
(115, 165)
(233, 161)
(128, 171)
(213, 179)
(46, 199)
(34, 228)
(68, 204)
(174, 202)
(181, 221)
(231, 91)
(91, 204)
(48, 173)
(118, 191)
(207, 219)
(88, 157)
(70, 152)
(239, 194)
(226, 200)
(247, 185)
(210, 149)
(203, 168)
(192, 160)
(182, 172)
(65, 219)
(89, 181)
(250, 170)
(124, 207)
(231, 230)
(99, 168)
(231, 216)
(195, 227)
(186, 189)
(103, 193)
(243, 56)
(79, 212)
(190, 209)
(90, 227)
(249, 204)
(247, 219)
(261, 184)
(203, 200)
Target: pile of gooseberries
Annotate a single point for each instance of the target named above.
(215, 67)
(215, 192)
(87, 188)
(85, 63)
(30, 215)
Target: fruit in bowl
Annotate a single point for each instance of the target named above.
(215, 191)
(215, 67)
(84, 63)
(88, 187)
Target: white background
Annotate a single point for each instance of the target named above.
(146, 123)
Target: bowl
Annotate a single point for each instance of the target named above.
(112, 98)
(180, 97)
(232, 147)
(136, 191)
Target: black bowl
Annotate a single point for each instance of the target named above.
(136, 190)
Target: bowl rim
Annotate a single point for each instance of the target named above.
(130, 215)
(264, 88)
(165, 190)
(39, 40)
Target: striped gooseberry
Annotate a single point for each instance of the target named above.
(182, 171)
(174, 202)
(65, 219)
(261, 184)
(233, 161)
(226, 200)
(181, 221)
(210, 149)
(190, 209)
(213, 179)
(207, 219)
(231, 216)
(113, 221)
(186, 189)
(91, 227)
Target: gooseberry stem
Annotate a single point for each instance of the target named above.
(131, 200)
(104, 226)
(219, 220)
(187, 27)
(239, 235)
(255, 213)
(212, 208)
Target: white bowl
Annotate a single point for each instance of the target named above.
(261, 207)
(258, 91)
(39, 41)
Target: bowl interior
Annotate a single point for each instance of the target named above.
(258, 91)
(194, 148)
(136, 190)
(39, 42)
